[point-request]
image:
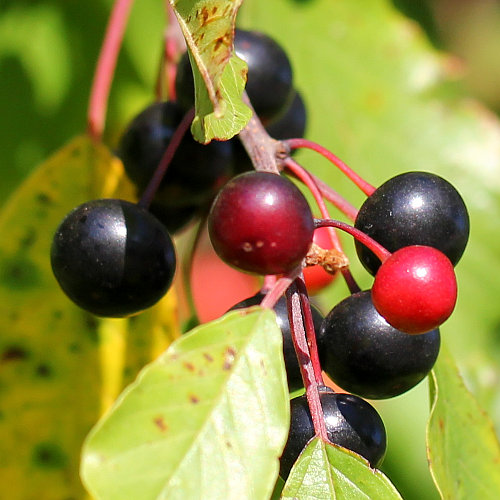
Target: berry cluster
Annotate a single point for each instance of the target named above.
(115, 258)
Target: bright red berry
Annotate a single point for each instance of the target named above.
(415, 289)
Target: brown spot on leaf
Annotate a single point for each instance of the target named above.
(228, 444)
(194, 399)
(28, 238)
(221, 41)
(14, 353)
(189, 366)
(160, 423)
(208, 357)
(205, 15)
(229, 356)
(49, 456)
(43, 199)
(441, 424)
(43, 370)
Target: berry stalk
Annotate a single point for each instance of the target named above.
(154, 183)
(292, 144)
(106, 64)
(260, 146)
(382, 253)
(305, 177)
(335, 199)
(311, 376)
(279, 288)
(309, 180)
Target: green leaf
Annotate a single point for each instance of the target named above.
(463, 450)
(60, 367)
(328, 472)
(208, 419)
(219, 75)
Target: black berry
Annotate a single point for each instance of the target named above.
(291, 363)
(261, 223)
(193, 177)
(269, 84)
(350, 422)
(415, 208)
(113, 258)
(365, 355)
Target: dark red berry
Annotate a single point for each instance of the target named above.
(414, 208)
(113, 258)
(415, 289)
(365, 355)
(261, 223)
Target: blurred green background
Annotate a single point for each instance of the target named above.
(381, 93)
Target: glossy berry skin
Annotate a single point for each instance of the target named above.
(350, 421)
(269, 82)
(291, 363)
(414, 208)
(365, 355)
(193, 177)
(415, 289)
(112, 258)
(261, 223)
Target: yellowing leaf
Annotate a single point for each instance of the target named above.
(59, 366)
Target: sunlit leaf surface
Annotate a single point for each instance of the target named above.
(219, 75)
(463, 450)
(326, 472)
(208, 419)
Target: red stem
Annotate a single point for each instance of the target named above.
(154, 183)
(381, 252)
(335, 199)
(367, 188)
(307, 370)
(106, 64)
(310, 332)
(303, 175)
(174, 47)
(269, 282)
(279, 288)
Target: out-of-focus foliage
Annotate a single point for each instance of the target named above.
(382, 125)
